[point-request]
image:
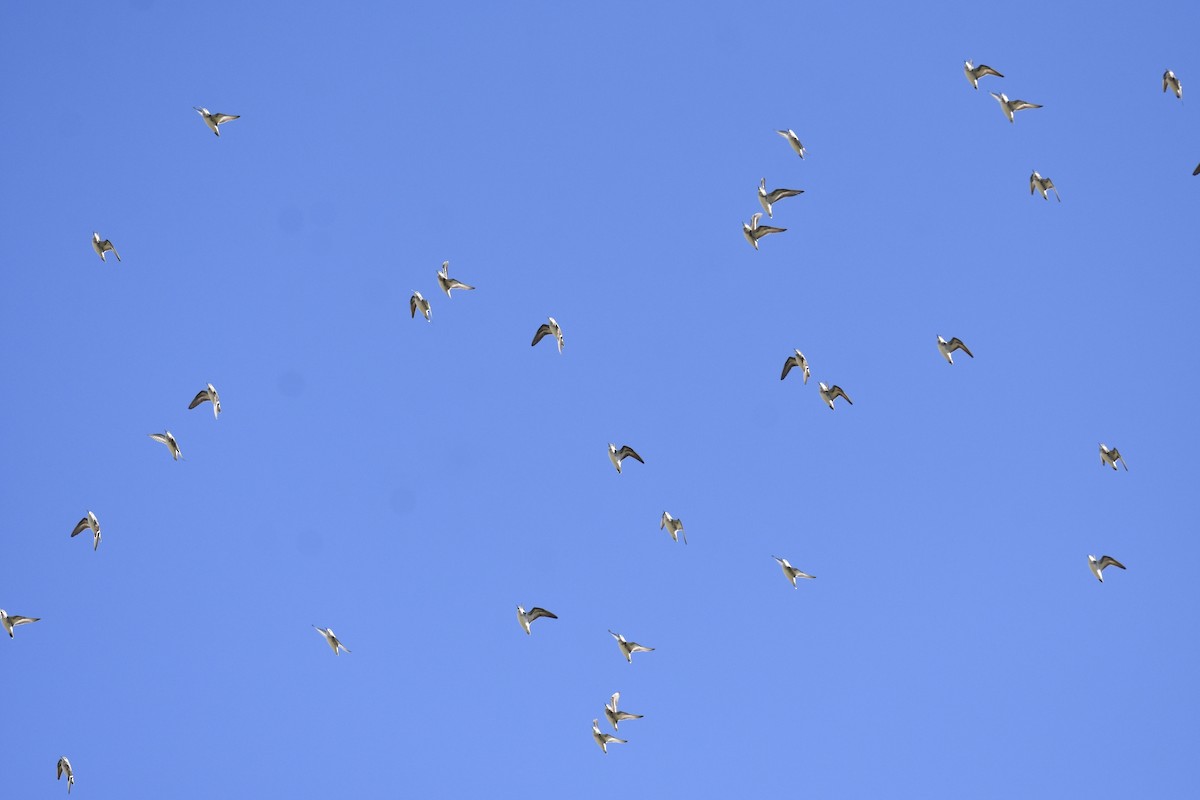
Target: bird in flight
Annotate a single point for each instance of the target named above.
(617, 456)
(213, 120)
(1111, 457)
(331, 639)
(604, 739)
(1097, 567)
(629, 648)
(418, 301)
(64, 767)
(797, 360)
(974, 73)
(11, 621)
(1041, 184)
(753, 231)
(166, 438)
(791, 572)
(793, 140)
(674, 527)
(208, 395)
(1169, 80)
(102, 246)
(89, 523)
(615, 716)
(946, 348)
(527, 617)
(831, 393)
(446, 282)
(767, 199)
(1010, 107)
(550, 328)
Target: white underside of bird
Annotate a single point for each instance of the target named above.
(793, 141)
(790, 572)
(331, 639)
(1097, 566)
(1170, 81)
(418, 301)
(64, 768)
(946, 348)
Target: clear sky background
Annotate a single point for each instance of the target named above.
(409, 483)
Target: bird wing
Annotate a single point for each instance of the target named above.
(219, 118)
(1114, 455)
(81, 527)
(412, 306)
(837, 391)
(627, 451)
(957, 344)
(1106, 561)
(1166, 79)
(60, 770)
(984, 69)
(158, 437)
(1196, 171)
(616, 636)
(1017, 105)
(787, 366)
(542, 331)
(778, 194)
(763, 230)
(1033, 183)
(612, 701)
(457, 284)
(200, 398)
(16, 620)
(536, 612)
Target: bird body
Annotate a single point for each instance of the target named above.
(629, 648)
(617, 456)
(793, 140)
(446, 282)
(674, 527)
(767, 199)
(102, 246)
(331, 640)
(1037, 182)
(213, 120)
(418, 301)
(790, 572)
(614, 716)
(1010, 107)
(831, 393)
(946, 348)
(11, 621)
(208, 395)
(166, 438)
(64, 768)
(550, 328)
(1111, 457)
(753, 231)
(797, 360)
(89, 523)
(534, 613)
(604, 739)
(1097, 566)
(1169, 80)
(974, 73)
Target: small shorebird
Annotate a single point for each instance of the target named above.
(89, 523)
(213, 120)
(614, 716)
(1012, 106)
(64, 766)
(629, 648)
(797, 360)
(533, 613)
(604, 739)
(946, 348)
(549, 329)
(617, 456)
(166, 438)
(767, 199)
(791, 572)
(674, 527)
(331, 639)
(1111, 457)
(418, 301)
(793, 140)
(831, 393)
(1170, 80)
(11, 621)
(974, 73)
(208, 395)
(1037, 182)
(753, 231)
(1097, 567)
(446, 282)
(102, 246)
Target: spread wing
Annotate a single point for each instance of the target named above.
(412, 306)
(787, 366)
(200, 398)
(536, 612)
(984, 69)
(763, 230)
(956, 344)
(541, 332)
(634, 647)
(779, 194)
(81, 527)
(1196, 171)
(627, 451)
(1106, 561)
(1018, 105)
(220, 118)
(17, 620)
(838, 391)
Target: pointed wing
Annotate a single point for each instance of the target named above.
(627, 451)
(956, 344)
(838, 391)
(536, 612)
(1033, 183)
(612, 701)
(456, 284)
(200, 398)
(779, 194)
(80, 528)
(1109, 561)
(634, 647)
(763, 230)
(1196, 171)
(18, 620)
(220, 118)
(1018, 105)
(412, 306)
(984, 69)
(1166, 79)
(542, 331)
(1115, 456)
(787, 366)
(158, 437)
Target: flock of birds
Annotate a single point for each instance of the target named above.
(753, 232)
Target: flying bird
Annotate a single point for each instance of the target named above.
(766, 199)
(213, 120)
(974, 73)
(793, 140)
(208, 395)
(1097, 567)
(615, 716)
(604, 739)
(1012, 106)
(102, 246)
(946, 348)
(791, 572)
(674, 527)
(629, 648)
(166, 438)
(10, 622)
(1041, 184)
(1196, 171)
(831, 393)
(617, 456)
(89, 523)
(64, 766)
(1170, 80)
(550, 328)
(1111, 457)
(797, 360)
(418, 301)
(753, 231)
(446, 282)
(331, 639)
(535, 612)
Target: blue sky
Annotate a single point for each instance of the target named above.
(409, 483)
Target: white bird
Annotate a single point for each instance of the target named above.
(793, 140)
(974, 73)
(65, 766)
(946, 348)
(418, 301)
(797, 360)
(831, 393)
(331, 639)
(208, 395)
(1097, 567)
(604, 739)
(166, 438)
(629, 648)
(1041, 184)
(617, 456)
(753, 231)
(1012, 106)
(1111, 457)
(791, 572)
(10, 622)
(446, 282)
(674, 527)
(615, 716)
(89, 523)
(1169, 79)
(213, 120)
(102, 246)
(767, 199)
(550, 328)
(535, 612)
